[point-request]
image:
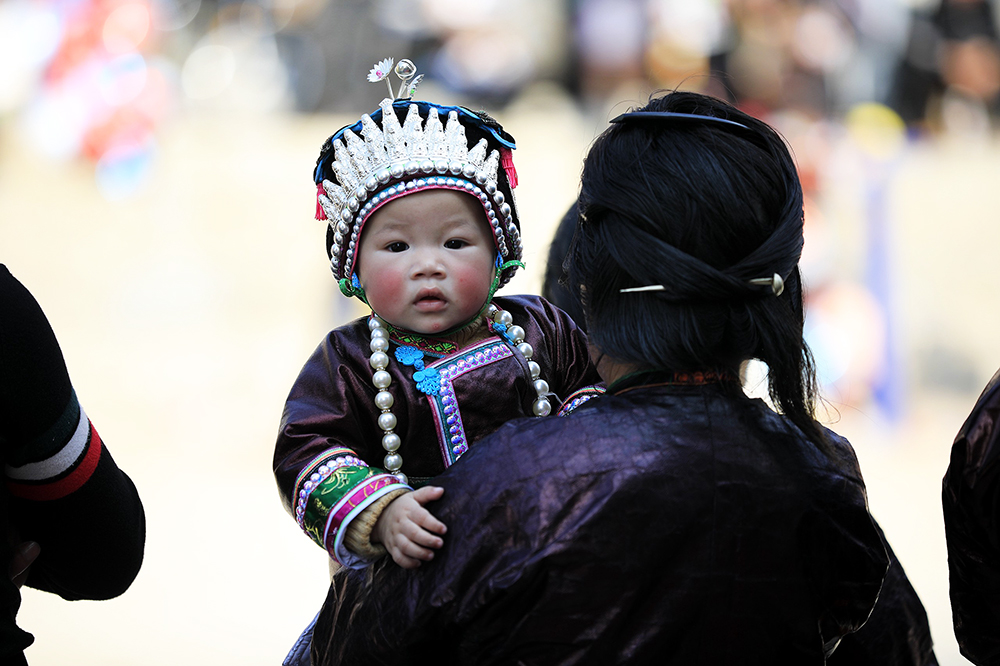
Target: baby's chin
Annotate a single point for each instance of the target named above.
(435, 329)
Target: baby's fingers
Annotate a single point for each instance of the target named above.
(409, 555)
(427, 494)
(426, 520)
(423, 517)
(422, 537)
(403, 561)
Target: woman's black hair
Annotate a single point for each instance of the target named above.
(700, 207)
(555, 287)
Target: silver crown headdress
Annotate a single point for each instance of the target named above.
(357, 174)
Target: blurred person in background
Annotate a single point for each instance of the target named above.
(674, 519)
(949, 74)
(971, 500)
(74, 522)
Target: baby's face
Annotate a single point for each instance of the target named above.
(426, 260)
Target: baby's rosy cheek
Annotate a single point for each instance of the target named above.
(384, 281)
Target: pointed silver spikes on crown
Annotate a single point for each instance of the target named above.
(434, 132)
(458, 145)
(413, 135)
(392, 151)
(375, 142)
(343, 167)
(454, 136)
(489, 170)
(360, 155)
(477, 155)
(395, 146)
(333, 201)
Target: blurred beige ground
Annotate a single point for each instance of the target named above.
(185, 314)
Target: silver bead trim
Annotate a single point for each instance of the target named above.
(379, 360)
(541, 406)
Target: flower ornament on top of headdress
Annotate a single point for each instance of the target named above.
(405, 147)
(381, 71)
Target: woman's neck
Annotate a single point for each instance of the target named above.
(608, 368)
(612, 370)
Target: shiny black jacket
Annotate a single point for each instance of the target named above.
(971, 498)
(673, 522)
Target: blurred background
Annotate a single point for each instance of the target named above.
(156, 197)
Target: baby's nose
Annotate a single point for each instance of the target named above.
(427, 263)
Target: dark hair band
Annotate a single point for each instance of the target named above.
(670, 115)
(733, 127)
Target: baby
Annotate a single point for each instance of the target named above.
(423, 228)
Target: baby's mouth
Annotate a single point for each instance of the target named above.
(430, 299)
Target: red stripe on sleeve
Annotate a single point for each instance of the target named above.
(69, 483)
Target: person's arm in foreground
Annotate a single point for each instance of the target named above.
(66, 493)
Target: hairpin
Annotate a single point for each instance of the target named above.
(775, 282)
(650, 287)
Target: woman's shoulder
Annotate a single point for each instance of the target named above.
(836, 448)
(979, 431)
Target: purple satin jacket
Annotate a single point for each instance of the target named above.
(971, 496)
(666, 523)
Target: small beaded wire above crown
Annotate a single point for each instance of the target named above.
(355, 175)
(405, 70)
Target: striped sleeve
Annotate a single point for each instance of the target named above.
(64, 458)
(333, 489)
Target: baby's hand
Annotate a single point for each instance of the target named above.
(408, 530)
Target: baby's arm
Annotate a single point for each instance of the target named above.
(324, 441)
(408, 530)
(400, 520)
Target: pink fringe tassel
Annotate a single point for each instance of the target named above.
(507, 161)
(320, 213)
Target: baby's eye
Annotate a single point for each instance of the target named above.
(455, 244)
(398, 246)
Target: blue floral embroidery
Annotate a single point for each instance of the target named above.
(410, 356)
(501, 329)
(427, 379)
(355, 282)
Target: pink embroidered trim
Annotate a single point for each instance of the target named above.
(349, 502)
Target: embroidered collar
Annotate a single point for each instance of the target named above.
(659, 377)
(438, 347)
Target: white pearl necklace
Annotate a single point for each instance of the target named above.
(379, 361)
